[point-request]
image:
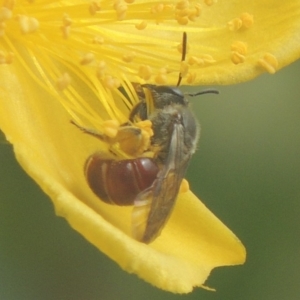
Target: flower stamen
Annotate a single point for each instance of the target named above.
(28, 24)
(245, 20)
(238, 52)
(129, 57)
(63, 81)
(269, 62)
(87, 58)
(142, 25)
(94, 7)
(145, 72)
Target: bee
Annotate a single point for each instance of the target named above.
(151, 184)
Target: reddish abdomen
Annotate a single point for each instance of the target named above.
(119, 182)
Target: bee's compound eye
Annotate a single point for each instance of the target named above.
(119, 182)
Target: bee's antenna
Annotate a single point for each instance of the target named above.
(184, 49)
(184, 41)
(209, 91)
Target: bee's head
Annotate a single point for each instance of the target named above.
(166, 95)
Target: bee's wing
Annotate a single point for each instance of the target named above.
(154, 205)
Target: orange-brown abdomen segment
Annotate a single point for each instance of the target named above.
(119, 182)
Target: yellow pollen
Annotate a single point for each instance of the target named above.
(144, 143)
(210, 2)
(141, 25)
(184, 186)
(66, 27)
(66, 30)
(129, 57)
(237, 58)
(204, 59)
(117, 83)
(9, 4)
(146, 126)
(158, 8)
(163, 70)
(98, 40)
(182, 13)
(129, 1)
(121, 9)
(145, 72)
(269, 62)
(247, 20)
(239, 46)
(111, 82)
(110, 128)
(238, 52)
(132, 142)
(195, 60)
(168, 7)
(94, 7)
(182, 20)
(102, 64)
(121, 15)
(67, 21)
(235, 24)
(6, 58)
(207, 58)
(184, 68)
(101, 69)
(28, 24)
(87, 58)
(182, 4)
(63, 81)
(191, 77)
(193, 15)
(161, 78)
(147, 154)
(198, 9)
(5, 14)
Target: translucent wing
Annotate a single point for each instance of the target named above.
(153, 206)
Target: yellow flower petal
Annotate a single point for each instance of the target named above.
(141, 38)
(53, 152)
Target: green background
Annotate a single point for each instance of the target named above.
(247, 171)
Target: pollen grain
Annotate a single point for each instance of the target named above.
(269, 62)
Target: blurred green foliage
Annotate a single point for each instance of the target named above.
(246, 171)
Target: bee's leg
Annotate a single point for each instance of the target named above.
(134, 140)
(139, 111)
(89, 131)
